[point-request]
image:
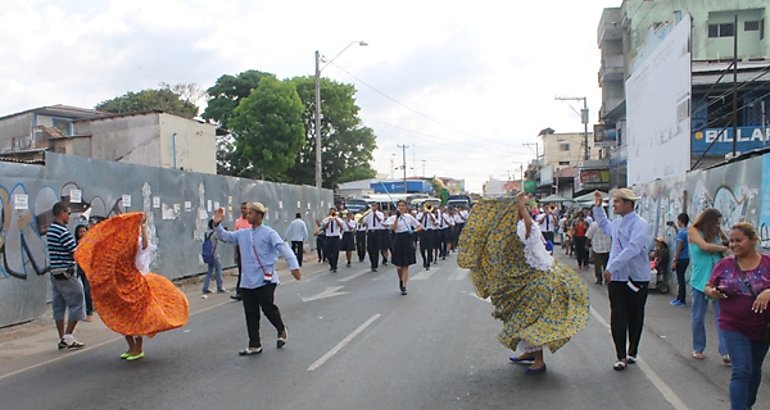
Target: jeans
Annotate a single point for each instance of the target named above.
(681, 268)
(86, 293)
(600, 264)
(214, 266)
(699, 305)
(746, 357)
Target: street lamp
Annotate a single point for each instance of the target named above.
(318, 68)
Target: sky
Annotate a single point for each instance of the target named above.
(464, 85)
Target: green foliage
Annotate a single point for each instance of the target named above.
(347, 146)
(267, 130)
(163, 99)
(228, 92)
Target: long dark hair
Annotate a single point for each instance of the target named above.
(708, 223)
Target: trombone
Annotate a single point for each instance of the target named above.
(360, 216)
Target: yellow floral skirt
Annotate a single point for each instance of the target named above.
(542, 308)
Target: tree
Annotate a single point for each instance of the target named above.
(162, 99)
(228, 92)
(267, 130)
(347, 146)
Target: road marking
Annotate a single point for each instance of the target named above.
(651, 375)
(353, 276)
(425, 274)
(91, 347)
(330, 291)
(318, 363)
(460, 275)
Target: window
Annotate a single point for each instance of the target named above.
(563, 146)
(564, 163)
(62, 125)
(751, 26)
(721, 30)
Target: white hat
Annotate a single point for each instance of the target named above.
(624, 193)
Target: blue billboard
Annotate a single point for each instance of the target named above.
(749, 138)
(397, 187)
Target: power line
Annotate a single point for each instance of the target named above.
(429, 118)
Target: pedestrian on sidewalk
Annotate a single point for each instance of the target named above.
(261, 246)
(214, 264)
(240, 223)
(741, 283)
(681, 259)
(404, 226)
(80, 232)
(67, 289)
(579, 241)
(296, 235)
(130, 299)
(600, 250)
(706, 243)
(541, 302)
(627, 273)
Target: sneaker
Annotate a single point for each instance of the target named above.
(250, 351)
(207, 291)
(677, 302)
(62, 344)
(74, 345)
(223, 290)
(631, 359)
(403, 291)
(282, 338)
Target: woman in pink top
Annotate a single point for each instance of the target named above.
(741, 283)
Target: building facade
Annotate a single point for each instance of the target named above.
(626, 35)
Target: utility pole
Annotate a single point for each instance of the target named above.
(423, 167)
(735, 86)
(403, 152)
(584, 119)
(537, 149)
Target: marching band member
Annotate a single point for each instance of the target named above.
(348, 236)
(403, 225)
(427, 236)
(445, 222)
(374, 227)
(361, 240)
(333, 227)
(386, 240)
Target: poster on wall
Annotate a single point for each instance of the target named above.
(764, 210)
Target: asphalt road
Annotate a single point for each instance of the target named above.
(356, 343)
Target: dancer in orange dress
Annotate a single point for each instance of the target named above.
(130, 300)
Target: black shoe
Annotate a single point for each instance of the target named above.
(334, 270)
(61, 344)
(250, 351)
(403, 291)
(427, 268)
(236, 297)
(282, 339)
(348, 265)
(374, 269)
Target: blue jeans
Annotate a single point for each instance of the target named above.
(215, 265)
(747, 357)
(699, 305)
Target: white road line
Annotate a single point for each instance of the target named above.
(651, 375)
(318, 363)
(477, 296)
(91, 347)
(353, 276)
(460, 275)
(425, 274)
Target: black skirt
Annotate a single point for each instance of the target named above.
(386, 241)
(348, 243)
(403, 250)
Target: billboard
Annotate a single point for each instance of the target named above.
(719, 141)
(658, 110)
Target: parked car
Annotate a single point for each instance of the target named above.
(356, 205)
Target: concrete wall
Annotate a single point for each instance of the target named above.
(133, 139)
(552, 154)
(178, 205)
(187, 144)
(16, 132)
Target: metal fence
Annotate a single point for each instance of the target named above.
(178, 206)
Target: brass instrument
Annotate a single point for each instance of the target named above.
(428, 207)
(360, 217)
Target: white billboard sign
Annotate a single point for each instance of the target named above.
(658, 110)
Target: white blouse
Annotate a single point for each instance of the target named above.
(405, 222)
(534, 248)
(144, 256)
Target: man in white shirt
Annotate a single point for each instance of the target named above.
(600, 249)
(427, 237)
(333, 226)
(296, 235)
(547, 223)
(374, 227)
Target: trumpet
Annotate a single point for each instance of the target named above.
(428, 207)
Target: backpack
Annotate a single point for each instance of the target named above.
(207, 249)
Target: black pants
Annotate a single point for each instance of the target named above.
(681, 268)
(600, 264)
(361, 245)
(319, 247)
(332, 250)
(296, 247)
(426, 247)
(443, 239)
(373, 247)
(627, 316)
(238, 261)
(548, 235)
(581, 253)
(253, 299)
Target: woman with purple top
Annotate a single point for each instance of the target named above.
(741, 283)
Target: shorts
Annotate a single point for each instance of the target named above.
(68, 297)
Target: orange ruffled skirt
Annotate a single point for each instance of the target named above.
(127, 301)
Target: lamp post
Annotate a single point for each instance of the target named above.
(318, 68)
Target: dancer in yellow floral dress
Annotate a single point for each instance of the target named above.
(541, 302)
